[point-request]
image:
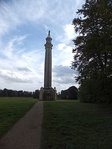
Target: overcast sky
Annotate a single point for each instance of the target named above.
(24, 26)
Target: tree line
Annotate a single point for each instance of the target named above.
(14, 93)
(93, 51)
(70, 93)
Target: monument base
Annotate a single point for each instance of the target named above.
(47, 94)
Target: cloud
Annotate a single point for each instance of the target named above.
(63, 77)
(12, 48)
(62, 70)
(69, 31)
(64, 47)
(24, 69)
(30, 11)
(63, 74)
(12, 77)
(7, 16)
(23, 28)
(63, 54)
(19, 65)
(17, 13)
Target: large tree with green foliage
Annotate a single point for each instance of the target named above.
(93, 50)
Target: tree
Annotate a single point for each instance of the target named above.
(70, 93)
(13, 93)
(36, 94)
(93, 46)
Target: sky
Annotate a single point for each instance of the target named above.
(24, 26)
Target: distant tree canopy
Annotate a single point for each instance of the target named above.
(14, 93)
(70, 93)
(93, 50)
(36, 94)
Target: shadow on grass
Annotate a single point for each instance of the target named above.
(75, 125)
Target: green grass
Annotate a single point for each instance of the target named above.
(12, 109)
(75, 125)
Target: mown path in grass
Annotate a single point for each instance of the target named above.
(11, 110)
(75, 125)
(26, 133)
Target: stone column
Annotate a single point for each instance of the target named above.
(48, 93)
(48, 63)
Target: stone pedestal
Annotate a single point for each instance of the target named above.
(47, 94)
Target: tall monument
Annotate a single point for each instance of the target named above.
(48, 63)
(48, 93)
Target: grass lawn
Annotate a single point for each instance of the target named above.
(12, 109)
(75, 125)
